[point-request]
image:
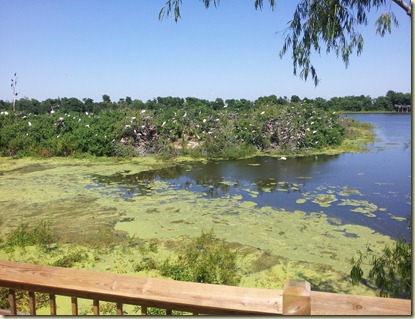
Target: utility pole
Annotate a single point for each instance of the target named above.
(13, 85)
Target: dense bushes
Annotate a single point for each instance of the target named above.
(182, 127)
(205, 259)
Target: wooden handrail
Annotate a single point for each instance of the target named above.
(187, 296)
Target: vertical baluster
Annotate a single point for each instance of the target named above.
(74, 302)
(168, 312)
(12, 302)
(52, 302)
(144, 310)
(96, 307)
(32, 303)
(119, 308)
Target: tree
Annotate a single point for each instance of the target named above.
(295, 99)
(316, 24)
(391, 271)
(106, 98)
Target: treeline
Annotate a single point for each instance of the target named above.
(344, 104)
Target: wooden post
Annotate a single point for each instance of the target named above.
(32, 303)
(296, 298)
(52, 302)
(74, 302)
(144, 310)
(95, 307)
(119, 309)
(12, 302)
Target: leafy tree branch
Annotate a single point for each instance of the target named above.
(321, 24)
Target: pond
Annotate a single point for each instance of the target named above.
(303, 217)
(370, 189)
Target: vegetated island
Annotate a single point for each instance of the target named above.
(171, 127)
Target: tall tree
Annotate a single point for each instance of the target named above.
(319, 24)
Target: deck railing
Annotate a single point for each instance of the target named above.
(296, 297)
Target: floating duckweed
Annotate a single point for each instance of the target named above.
(325, 200)
(363, 210)
(301, 244)
(301, 201)
(365, 207)
(347, 191)
(228, 183)
(399, 219)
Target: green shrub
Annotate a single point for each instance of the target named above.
(146, 264)
(24, 236)
(204, 259)
(70, 259)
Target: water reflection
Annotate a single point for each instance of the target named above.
(370, 189)
(217, 179)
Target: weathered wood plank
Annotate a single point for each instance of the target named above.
(161, 293)
(324, 303)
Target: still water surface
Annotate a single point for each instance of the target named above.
(371, 189)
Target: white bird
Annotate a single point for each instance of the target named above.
(164, 123)
(87, 125)
(204, 120)
(263, 112)
(283, 158)
(30, 124)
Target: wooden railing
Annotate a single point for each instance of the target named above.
(296, 298)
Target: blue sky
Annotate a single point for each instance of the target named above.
(87, 48)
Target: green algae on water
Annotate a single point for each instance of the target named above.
(87, 214)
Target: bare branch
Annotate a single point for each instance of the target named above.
(407, 7)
